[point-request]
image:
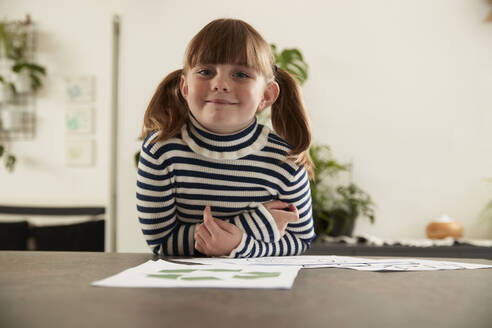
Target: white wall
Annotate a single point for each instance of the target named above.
(401, 88)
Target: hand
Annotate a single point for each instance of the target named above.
(282, 213)
(215, 237)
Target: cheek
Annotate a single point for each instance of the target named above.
(195, 91)
(253, 94)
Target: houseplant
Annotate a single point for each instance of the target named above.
(336, 202)
(15, 51)
(19, 77)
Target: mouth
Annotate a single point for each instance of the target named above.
(221, 102)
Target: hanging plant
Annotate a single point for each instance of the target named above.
(14, 46)
(19, 76)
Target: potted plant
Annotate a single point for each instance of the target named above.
(336, 204)
(15, 50)
(19, 77)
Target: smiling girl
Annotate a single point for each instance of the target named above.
(211, 180)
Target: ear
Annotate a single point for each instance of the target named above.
(270, 94)
(183, 86)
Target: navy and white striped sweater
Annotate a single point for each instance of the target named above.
(234, 174)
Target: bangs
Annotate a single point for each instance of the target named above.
(228, 41)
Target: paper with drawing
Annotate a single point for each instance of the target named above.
(345, 262)
(165, 274)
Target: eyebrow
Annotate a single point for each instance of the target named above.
(236, 66)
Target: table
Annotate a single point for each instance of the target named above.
(363, 250)
(52, 289)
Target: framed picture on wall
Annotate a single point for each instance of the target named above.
(79, 120)
(79, 153)
(79, 89)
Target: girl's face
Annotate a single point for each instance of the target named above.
(224, 98)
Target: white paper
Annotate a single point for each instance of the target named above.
(418, 265)
(345, 262)
(168, 275)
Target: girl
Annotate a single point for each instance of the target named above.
(211, 180)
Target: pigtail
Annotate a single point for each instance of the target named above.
(290, 120)
(167, 111)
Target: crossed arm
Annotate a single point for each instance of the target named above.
(261, 230)
(215, 237)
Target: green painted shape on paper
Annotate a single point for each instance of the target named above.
(257, 275)
(200, 278)
(177, 270)
(222, 270)
(165, 276)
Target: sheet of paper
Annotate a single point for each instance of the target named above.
(305, 261)
(417, 265)
(165, 274)
(345, 262)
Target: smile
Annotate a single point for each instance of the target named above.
(221, 102)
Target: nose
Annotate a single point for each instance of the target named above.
(220, 83)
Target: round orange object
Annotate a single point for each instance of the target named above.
(440, 230)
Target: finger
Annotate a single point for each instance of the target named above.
(286, 216)
(294, 210)
(209, 221)
(207, 214)
(275, 204)
(291, 217)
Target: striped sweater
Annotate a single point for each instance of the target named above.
(234, 174)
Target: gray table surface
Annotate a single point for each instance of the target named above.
(52, 289)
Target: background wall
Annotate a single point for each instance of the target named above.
(401, 88)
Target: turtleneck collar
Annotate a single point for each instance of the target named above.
(224, 146)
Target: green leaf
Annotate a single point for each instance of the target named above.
(10, 163)
(18, 67)
(12, 88)
(35, 81)
(36, 68)
(292, 61)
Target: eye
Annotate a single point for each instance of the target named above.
(241, 75)
(204, 72)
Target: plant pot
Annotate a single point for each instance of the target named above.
(334, 223)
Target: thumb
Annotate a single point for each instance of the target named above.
(209, 220)
(207, 214)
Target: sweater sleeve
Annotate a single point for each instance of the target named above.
(298, 236)
(258, 223)
(156, 206)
